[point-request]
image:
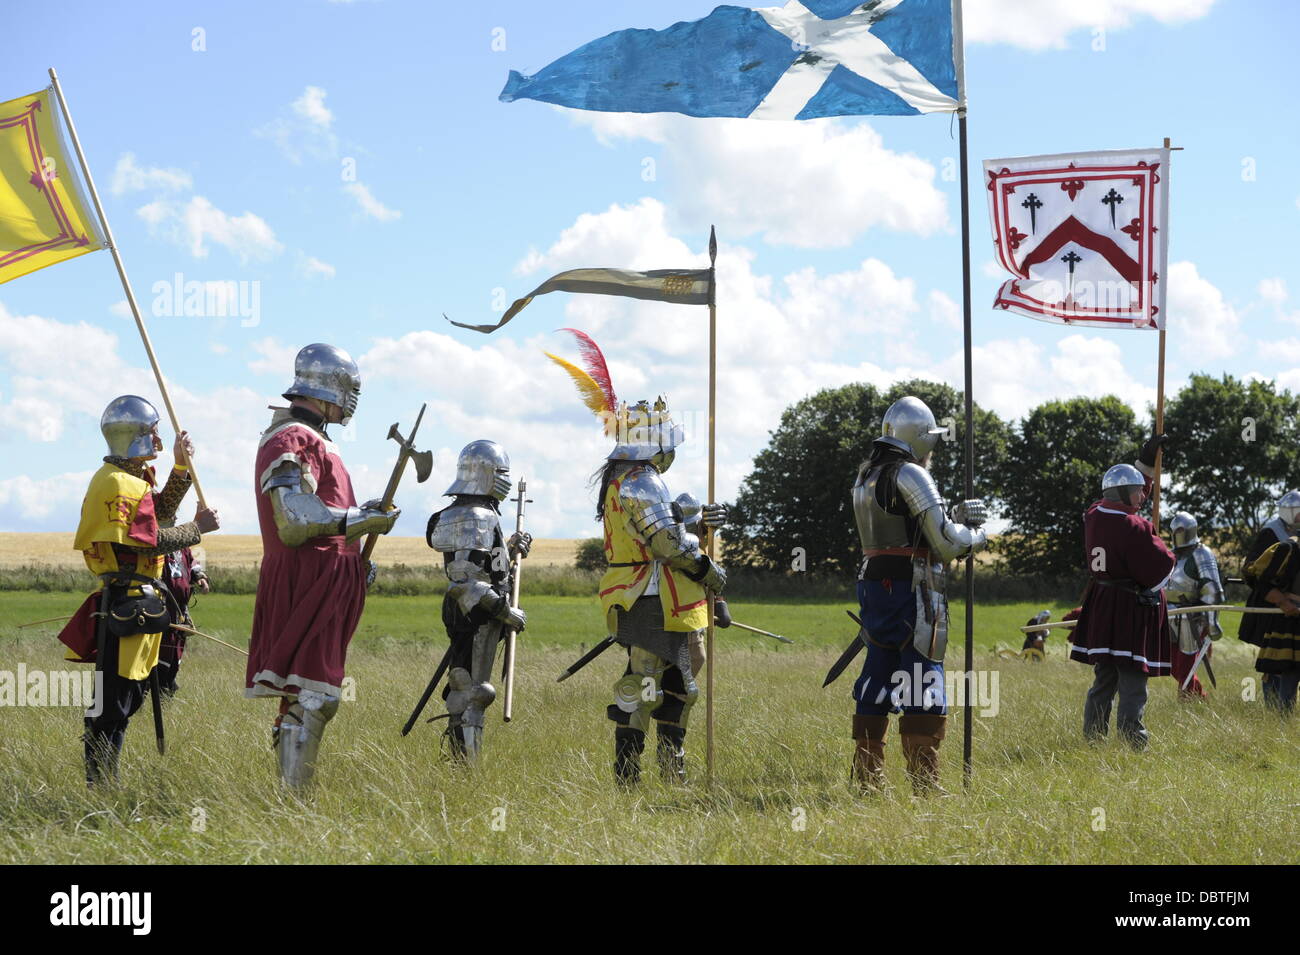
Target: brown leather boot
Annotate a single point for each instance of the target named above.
(921, 734)
(869, 753)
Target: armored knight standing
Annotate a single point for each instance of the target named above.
(655, 590)
(907, 541)
(1123, 625)
(1194, 580)
(125, 535)
(312, 585)
(476, 609)
(1272, 570)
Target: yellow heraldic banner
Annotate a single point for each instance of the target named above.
(43, 216)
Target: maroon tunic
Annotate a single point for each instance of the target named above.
(1112, 623)
(309, 598)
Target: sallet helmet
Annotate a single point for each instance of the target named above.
(1124, 484)
(1288, 508)
(483, 468)
(328, 373)
(909, 425)
(1182, 527)
(128, 426)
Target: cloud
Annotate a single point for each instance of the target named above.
(25, 502)
(274, 358)
(1048, 24)
(311, 107)
(130, 177)
(121, 309)
(1273, 291)
(369, 205)
(822, 183)
(307, 130)
(197, 224)
(60, 377)
(312, 267)
(1207, 326)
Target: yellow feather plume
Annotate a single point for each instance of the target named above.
(591, 393)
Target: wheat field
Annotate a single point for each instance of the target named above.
(241, 550)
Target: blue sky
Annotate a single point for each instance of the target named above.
(351, 163)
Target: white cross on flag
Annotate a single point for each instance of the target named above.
(1085, 236)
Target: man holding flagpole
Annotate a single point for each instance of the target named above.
(804, 60)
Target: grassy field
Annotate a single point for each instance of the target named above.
(1220, 783)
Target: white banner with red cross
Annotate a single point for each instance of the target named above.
(1085, 236)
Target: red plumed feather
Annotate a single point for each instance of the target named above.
(594, 359)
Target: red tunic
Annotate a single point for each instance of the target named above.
(309, 598)
(1112, 623)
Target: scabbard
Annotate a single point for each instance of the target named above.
(586, 658)
(428, 691)
(155, 692)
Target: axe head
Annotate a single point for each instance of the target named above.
(423, 465)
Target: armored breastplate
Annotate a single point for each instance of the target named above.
(877, 528)
(1183, 587)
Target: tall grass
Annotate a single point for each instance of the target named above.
(1219, 784)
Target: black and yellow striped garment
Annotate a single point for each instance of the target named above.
(1277, 636)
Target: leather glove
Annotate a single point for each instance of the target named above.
(972, 513)
(1147, 455)
(713, 515)
(721, 615)
(520, 544)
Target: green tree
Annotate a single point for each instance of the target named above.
(1057, 458)
(798, 493)
(1234, 448)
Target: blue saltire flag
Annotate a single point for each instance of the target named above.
(804, 60)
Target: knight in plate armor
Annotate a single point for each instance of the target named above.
(908, 538)
(1272, 570)
(1194, 580)
(312, 584)
(126, 534)
(655, 592)
(476, 609)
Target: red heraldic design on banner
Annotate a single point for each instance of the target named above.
(1085, 236)
(1113, 622)
(309, 598)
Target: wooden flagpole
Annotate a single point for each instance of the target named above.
(1160, 402)
(121, 272)
(708, 537)
(959, 58)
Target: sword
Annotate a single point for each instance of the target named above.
(423, 468)
(155, 691)
(850, 652)
(586, 658)
(1202, 658)
(428, 691)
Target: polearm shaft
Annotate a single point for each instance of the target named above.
(403, 455)
(959, 56)
(121, 273)
(1173, 612)
(207, 636)
(508, 665)
(708, 536)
